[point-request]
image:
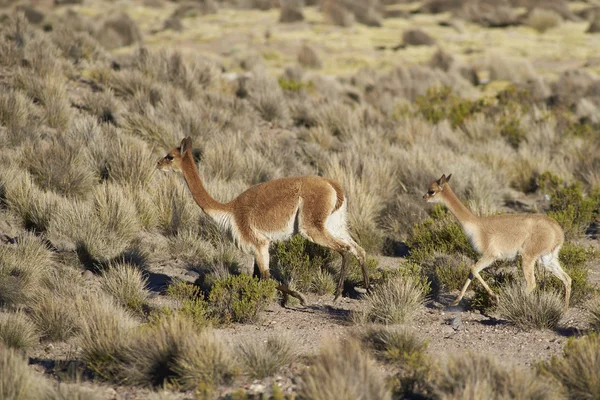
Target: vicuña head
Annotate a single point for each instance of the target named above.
(172, 161)
(311, 206)
(535, 237)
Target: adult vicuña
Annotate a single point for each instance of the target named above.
(535, 237)
(312, 206)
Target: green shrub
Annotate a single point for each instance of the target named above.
(395, 301)
(578, 370)
(295, 262)
(292, 85)
(537, 310)
(191, 302)
(497, 278)
(512, 132)
(265, 358)
(447, 272)
(440, 103)
(439, 233)
(17, 331)
(241, 298)
(568, 205)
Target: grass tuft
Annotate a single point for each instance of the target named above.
(538, 310)
(17, 380)
(578, 370)
(542, 20)
(395, 301)
(593, 311)
(17, 331)
(343, 371)
(127, 284)
(264, 359)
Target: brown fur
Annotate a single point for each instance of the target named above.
(270, 209)
(533, 236)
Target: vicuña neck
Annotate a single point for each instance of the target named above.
(460, 211)
(201, 196)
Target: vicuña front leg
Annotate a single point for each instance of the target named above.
(475, 269)
(262, 260)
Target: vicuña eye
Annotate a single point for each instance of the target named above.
(431, 192)
(169, 157)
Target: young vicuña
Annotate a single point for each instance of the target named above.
(535, 237)
(312, 206)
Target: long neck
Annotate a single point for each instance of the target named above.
(460, 211)
(201, 196)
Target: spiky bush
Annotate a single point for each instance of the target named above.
(297, 261)
(263, 359)
(105, 336)
(241, 298)
(541, 20)
(578, 370)
(17, 380)
(127, 284)
(22, 265)
(593, 310)
(343, 371)
(394, 301)
(17, 331)
(406, 351)
(473, 376)
(537, 310)
(54, 315)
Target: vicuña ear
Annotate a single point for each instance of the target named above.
(186, 144)
(442, 180)
(448, 178)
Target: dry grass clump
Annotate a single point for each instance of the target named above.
(22, 196)
(309, 58)
(538, 310)
(473, 376)
(578, 370)
(127, 284)
(542, 20)
(175, 209)
(266, 97)
(264, 359)
(17, 331)
(417, 37)
(105, 336)
(22, 265)
(336, 13)
(343, 371)
(291, 11)
(394, 344)
(118, 30)
(15, 112)
(17, 380)
(172, 352)
(395, 301)
(593, 310)
(59, 165)
(52, 308)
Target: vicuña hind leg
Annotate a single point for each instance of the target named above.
(484, 262)
(322, 237)
(262, 260)
(551, 263)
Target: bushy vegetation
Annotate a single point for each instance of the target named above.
(17, 331)
(537, 310)
(577, 369)
(241, 298)
(343, 371)
(395, 301)
(263, 359)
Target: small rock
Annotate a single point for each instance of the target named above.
(360, 290)
(193, 274)
(88, 274)
(456, 323)
(49, 347)
(257, 388)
